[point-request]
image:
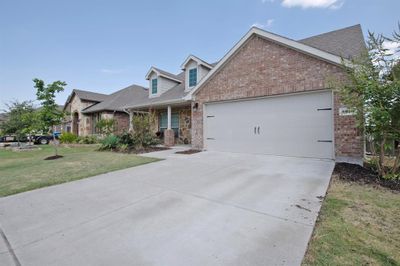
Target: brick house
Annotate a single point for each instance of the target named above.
(269, 94)
(77, 122)
(86, 108)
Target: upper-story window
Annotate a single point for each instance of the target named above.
(192, 77)
(154, 86)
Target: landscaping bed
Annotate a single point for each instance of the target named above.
(363, 175)
(142, 150)
(191, 151)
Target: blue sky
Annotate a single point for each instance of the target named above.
(104, 46)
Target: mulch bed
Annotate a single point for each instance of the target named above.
(54, 157)
(191, 151)
(363, 175)
(144, 150)
(149, 149)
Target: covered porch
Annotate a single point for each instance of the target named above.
(171, 123)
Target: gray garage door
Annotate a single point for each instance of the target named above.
(296, 125)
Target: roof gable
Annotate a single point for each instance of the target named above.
(85, 96)
(197, 60)
(164, 74)
(306, 49)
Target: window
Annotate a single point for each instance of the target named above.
(192, 77)
(174, 122)
(154, 86)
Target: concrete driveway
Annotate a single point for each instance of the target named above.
(207, 208)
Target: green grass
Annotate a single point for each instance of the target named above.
(358, 225)
(27, 170)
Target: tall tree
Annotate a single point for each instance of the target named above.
(21, 119)
(373, 92)
(49, 114)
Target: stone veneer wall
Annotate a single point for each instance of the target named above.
(76, 106)
(185, 123)
(263, 68)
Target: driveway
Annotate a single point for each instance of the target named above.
(208, 208)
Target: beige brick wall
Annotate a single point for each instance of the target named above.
(76, 106)
(264, 68)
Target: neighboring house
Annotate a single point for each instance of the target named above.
(76, 121)
(86, 108)
(269, 95)
(112, 108)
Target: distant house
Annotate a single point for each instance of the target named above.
(268, 95)
(86, 108)
(76, 122)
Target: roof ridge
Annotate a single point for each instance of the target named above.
(79, 90)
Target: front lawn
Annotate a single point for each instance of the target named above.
(22, 171)
(358, 225)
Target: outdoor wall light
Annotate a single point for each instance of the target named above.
(195, 106)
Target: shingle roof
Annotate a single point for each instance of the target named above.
(117, 100)
(167, 74)
(90, 96)
(347, 42)
(174, 94)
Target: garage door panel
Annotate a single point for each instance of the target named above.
(295, 125)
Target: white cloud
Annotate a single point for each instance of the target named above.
(268, 24)
(332, 4)
(111, 71)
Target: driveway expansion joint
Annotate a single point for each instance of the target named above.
(9, 247)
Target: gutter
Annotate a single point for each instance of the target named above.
(182, 100)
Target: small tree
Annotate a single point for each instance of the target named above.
(373, 93)
(21, 119)
(106, 126)
(142, 134)
(49, 114)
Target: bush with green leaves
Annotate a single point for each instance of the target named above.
(110, 142)
(68, 137)
(142, 134)
(126, 138)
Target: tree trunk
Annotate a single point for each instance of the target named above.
(382, 157)
(55, 144)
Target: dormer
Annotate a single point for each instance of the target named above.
(160, 81)
(195, 69)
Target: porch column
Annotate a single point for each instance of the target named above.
(169, 117)
(169, 134)
(130, 119)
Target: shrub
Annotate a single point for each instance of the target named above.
(126, 138)
(87, 140)
(142, 134)
(106, 126)
(67, 137)
(123, 147)
(109, 143)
